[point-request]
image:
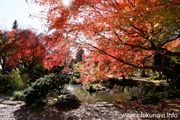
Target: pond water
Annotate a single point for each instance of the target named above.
(100, 96)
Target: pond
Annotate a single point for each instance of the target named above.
(100, 96)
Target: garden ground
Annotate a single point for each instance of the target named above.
(16, 110)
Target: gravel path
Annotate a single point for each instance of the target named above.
(8, 107)
(16, 110)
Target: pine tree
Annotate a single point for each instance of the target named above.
(79, 55)
(15, 25)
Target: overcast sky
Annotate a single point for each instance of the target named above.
(19, 10)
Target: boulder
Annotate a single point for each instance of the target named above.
(67, 101)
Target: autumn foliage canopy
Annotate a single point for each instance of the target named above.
(121, 35)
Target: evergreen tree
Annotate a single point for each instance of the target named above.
(79, 55)
(15, 25)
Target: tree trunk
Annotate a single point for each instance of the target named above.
(143, 74)
(3, 66)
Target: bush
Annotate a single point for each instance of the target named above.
(173, 93)
(41, 87)
(146, 94)
(16, 81)
(46, 71)
(162, 87)
(18, 95)
(5, 79)
(57, 69)
(77, 74)
(4, 83)
(31, 74)
(38, 71)
(26, 79)
(149, 94)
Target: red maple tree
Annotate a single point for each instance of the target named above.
(29, 51)
(7, 45)
(121, 34)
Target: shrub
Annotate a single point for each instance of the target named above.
(31, 74)
(73, 81)
(162, 87)
(16, 81)
(57, 69)
(77, 74)
(38, 71)
(4, 79)
(18, 95)
(173, 93)
(4, 83)
(46, 71)
(41, 87)
(26, 79)
(149, 94)
(146, 94)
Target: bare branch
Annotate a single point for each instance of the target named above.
(131, 3)
(173, 39)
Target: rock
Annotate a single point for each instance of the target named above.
(108, 90)
(68, 101)
(3, 106)
(103, 88)
(9, 102)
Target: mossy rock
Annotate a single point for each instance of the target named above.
(67, 101)
(103, 88)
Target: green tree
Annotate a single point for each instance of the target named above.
(79, 55)
(15, 25)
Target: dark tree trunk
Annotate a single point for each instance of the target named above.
(143, 74)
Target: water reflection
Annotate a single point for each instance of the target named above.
(69, 88)
(100, 96)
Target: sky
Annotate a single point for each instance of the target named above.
(19, 10)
